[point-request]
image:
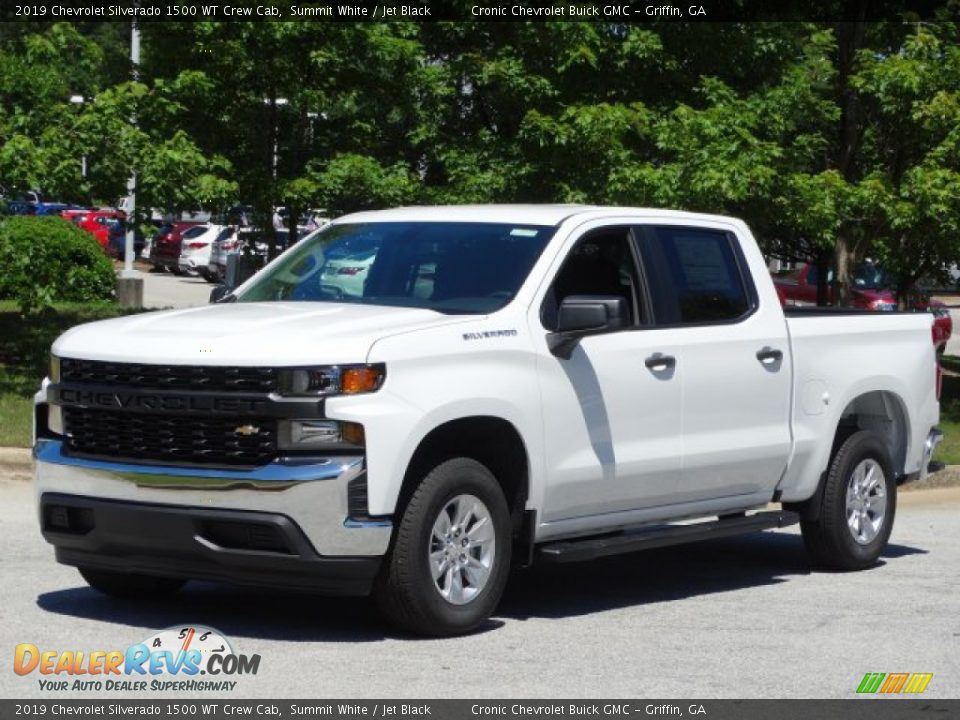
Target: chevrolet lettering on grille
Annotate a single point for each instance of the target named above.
(161, 402)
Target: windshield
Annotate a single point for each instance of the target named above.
(447, 267)
(194, 231)
(871, 277)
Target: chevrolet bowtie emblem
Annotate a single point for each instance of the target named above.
(246, 430)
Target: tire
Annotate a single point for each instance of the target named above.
(832, 539)
(175, 269)
(129, 585)
(406, 590)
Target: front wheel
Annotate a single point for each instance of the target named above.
(858, 506)
(129, 585)
(451, 555)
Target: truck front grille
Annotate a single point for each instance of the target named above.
(182, 377)
(139, 437)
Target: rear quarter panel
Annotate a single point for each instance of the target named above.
(839, 358)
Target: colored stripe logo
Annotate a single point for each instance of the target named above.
(894, 683)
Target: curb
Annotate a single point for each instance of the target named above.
(949, 476)
(18, 460)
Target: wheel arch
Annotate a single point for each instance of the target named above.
(492, 441)
(881, 411)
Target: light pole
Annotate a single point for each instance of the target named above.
(130, 281)
(80, 100)
(274, 103)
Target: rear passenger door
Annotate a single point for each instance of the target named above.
(733, 359)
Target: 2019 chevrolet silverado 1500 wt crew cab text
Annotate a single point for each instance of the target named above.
(508, 383)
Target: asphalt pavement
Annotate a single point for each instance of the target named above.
(741, 617)
(165, 290)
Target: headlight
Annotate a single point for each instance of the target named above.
(319, 435)
(54, 369)
(331, 380)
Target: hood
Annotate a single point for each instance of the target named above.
(247, 334)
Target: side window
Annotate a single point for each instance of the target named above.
(704, 270)
(601, 263)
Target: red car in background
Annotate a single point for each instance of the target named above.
(165, 247)
(99, 223)
(869, 291)
(75, 215)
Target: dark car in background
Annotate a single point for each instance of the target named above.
(117, 241)
(165, 246)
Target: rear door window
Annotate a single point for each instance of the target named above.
(699, 277)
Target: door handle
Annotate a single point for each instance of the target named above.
(658, 362)
(768, 355)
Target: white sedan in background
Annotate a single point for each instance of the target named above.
(195, 249)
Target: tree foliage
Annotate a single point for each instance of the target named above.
(47, 260)
(836, 142)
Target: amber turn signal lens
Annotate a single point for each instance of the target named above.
(352, 433)
(360, 380)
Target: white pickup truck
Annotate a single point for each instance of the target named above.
(507, 384)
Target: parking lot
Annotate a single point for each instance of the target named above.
(743, 617)
(164, 290)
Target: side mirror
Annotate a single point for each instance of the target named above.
(220, 294)
(583, 315)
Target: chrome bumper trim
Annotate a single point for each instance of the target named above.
(312, 493)
(933, 439)
(277, 475)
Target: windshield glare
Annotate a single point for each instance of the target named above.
(448, 267)
(871, 277)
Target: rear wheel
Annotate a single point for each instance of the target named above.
(451, 556)
(858, 506)
(129, 585)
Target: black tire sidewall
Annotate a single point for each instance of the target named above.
(859, 447)
(459, 476)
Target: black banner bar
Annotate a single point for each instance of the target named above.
(475, 11)
(876, 708)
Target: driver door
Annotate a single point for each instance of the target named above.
(612, 411)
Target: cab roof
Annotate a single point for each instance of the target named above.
(549, 215)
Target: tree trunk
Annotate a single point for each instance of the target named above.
(293, 219)
(850, 39)
(843, 261)
(823, 269)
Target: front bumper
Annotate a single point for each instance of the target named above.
(150, 519)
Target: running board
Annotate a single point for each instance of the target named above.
(575, 550)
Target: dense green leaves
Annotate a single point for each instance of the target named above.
(831, 140)
(46, 260)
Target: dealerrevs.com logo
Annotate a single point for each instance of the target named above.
(178, 659)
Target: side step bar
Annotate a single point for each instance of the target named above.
(577, 549)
